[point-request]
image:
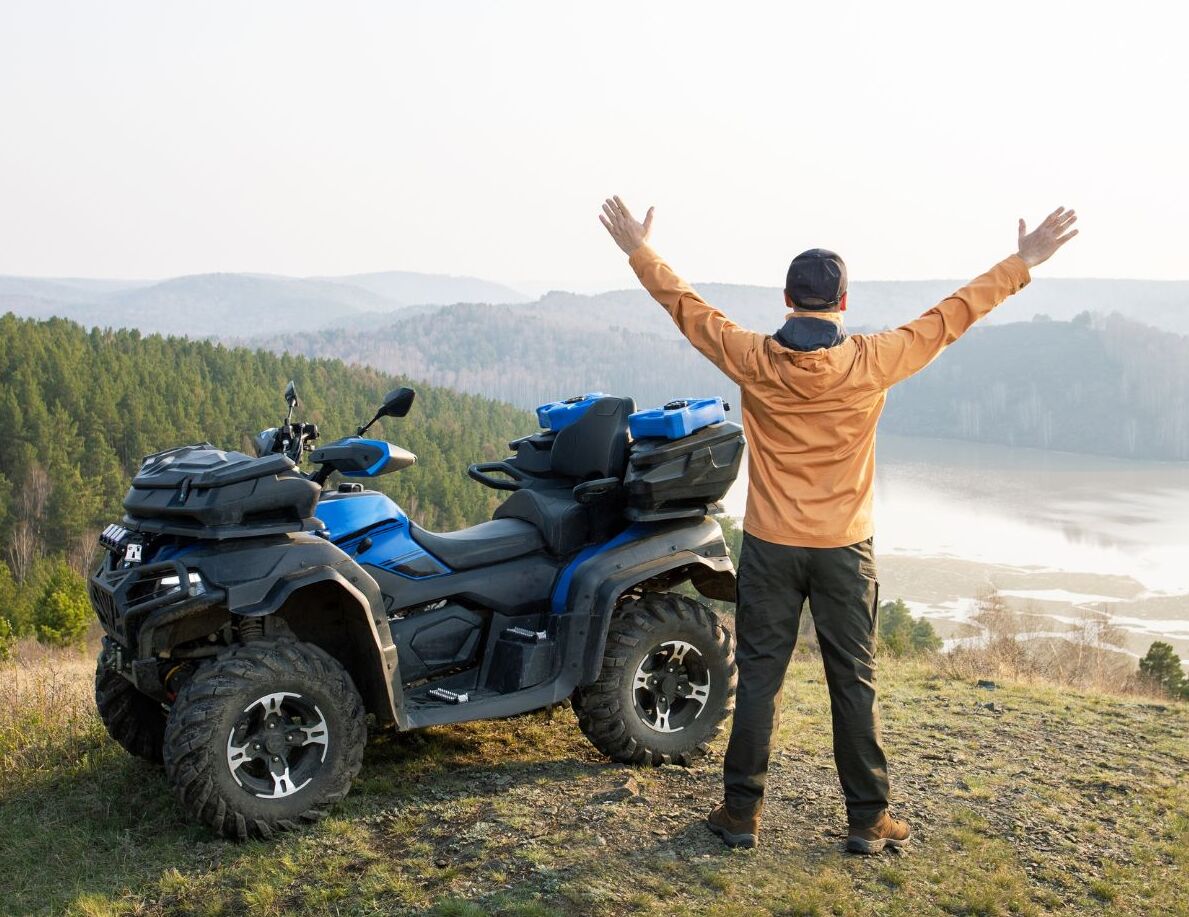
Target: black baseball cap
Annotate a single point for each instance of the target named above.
(816, 279)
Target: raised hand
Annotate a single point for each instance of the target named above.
(628, 232)
(1039, 245)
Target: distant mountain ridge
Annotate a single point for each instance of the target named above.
(410, 288)
(1163, 304)
(236, 305)
(242, 305)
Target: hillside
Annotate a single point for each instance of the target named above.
(237, 305)
(80, 409)
(1096, 384)
(1024, 800)
(496, 351)
(1103, 385)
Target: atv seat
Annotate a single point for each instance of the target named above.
(480, 545)
(555, 514)
(593, 447)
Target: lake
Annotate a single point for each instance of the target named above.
(1058, 534)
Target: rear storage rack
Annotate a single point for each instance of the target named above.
(675, 478)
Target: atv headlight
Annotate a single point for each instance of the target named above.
(173, 582)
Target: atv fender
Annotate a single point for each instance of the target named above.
(324, 597)
(673, 554)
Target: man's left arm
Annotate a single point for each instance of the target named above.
(734, 350)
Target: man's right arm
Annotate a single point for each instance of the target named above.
(732, 349)
(895, 355)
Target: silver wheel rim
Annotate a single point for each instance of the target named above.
(671, 686)
(277, 745)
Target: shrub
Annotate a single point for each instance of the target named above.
(18, 598)
(8, 605)
(63, 612)
(7, 639)
(901, 634)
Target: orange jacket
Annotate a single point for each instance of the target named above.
(810, 417)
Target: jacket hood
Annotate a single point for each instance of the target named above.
(812, 359)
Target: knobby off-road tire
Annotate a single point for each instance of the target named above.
(258, 709)
(134, 720)
(667, 682)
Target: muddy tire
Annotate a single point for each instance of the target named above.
(134, 720)
(666, 685)
(265, 738)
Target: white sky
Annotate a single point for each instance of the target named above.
(161, 138)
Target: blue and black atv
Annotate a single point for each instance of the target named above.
(255, 615)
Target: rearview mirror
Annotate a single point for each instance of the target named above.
(397, 402)
(291, 394)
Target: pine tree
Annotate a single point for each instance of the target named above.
(63, 613)
(1161, 667)
(901, 634)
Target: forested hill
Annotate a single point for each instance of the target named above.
(495, 351)
(1097, 384)
(79, 409)
(1104, 385)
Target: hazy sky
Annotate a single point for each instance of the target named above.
(160, 138)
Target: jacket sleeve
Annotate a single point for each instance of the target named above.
(897, 354)
(734, 350)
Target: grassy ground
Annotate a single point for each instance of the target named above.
(1048, 801)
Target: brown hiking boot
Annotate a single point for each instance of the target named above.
(735, 830)
(886, 832)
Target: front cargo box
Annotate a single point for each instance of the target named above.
(206, 492)
(682, 477)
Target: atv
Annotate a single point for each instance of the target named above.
(256, 616)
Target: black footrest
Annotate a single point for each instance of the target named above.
(445, 694)
(524, 635)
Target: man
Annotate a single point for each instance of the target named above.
(811, 398)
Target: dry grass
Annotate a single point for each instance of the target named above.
(47, 718)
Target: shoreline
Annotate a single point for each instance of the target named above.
(1051, 602)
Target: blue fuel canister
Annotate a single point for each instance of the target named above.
(677, 418)
(557, 415)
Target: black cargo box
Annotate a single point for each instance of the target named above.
(667, 479)
(204, 492)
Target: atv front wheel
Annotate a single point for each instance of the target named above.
(134, 720)
(264, 738)
(667, 682)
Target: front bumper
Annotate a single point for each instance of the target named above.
(125, 596)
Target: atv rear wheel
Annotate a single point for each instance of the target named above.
(667, 682)
(265, 738)
(134, 720)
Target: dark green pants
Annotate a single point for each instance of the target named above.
(840, 584)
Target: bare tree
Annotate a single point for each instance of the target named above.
(81, 556)
(26, 543)
(24, 547)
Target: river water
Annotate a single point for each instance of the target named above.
(1056, 533)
